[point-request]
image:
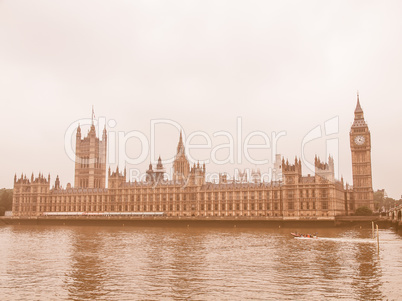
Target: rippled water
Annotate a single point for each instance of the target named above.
(122, 263)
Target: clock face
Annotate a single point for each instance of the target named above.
(359, 140)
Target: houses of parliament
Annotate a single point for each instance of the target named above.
(295, 197)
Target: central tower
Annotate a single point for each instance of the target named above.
(360, 145)
(90, 159)
(181, 167)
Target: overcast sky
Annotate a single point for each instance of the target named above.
(279, 65)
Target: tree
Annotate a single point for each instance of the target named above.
(379, 198)
(384, 203)
(6, 200)
(363, 211)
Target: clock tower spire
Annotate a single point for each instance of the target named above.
(360, 145)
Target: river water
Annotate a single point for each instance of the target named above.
(135, 263)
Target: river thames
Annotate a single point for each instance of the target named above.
(142, 263)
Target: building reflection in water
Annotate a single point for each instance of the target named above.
(174, 261)
(188, 265)
(86, 276)
(367, 280)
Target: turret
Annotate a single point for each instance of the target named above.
(57, 183)
(160, 171)
(157, 175)
(181, 166)
(78, 132)
(150, 174)
(116, 179)
(256, 176)
(325, 170)
(197, 175)
(291, 173)
(104, 134)
(223, 178)
(159, 165)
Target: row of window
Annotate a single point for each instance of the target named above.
(206, 195)
(171, 207)
(85, 162)
(84, 183)
(73, 200)
(308, 205)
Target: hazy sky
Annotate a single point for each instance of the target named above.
(279, 65)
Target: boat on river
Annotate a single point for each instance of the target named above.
(304, 236)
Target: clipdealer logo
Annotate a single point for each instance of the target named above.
(237, 146)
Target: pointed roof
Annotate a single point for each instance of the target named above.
(359, 117)
(159, 165)
(358, 107)
(180, 145)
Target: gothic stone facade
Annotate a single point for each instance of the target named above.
(295, 196)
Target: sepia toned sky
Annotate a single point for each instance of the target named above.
(279, 66)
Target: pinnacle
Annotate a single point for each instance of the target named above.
(358, 107)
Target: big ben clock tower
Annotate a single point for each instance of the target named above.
(360, 145)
